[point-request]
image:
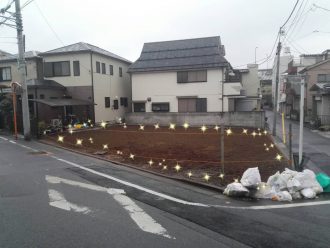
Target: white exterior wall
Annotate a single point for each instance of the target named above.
(163, 87)
(105, 85)
(113, 86)
(251, 81)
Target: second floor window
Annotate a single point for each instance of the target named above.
(323, 78)
(120, 72)
(98, 67)
(76, 68)
(191, 76)
(103, 69)
(57, 69)
(107, 102)
(5, 74)
(111, 69)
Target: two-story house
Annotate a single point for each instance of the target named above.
(317, 79)
(182, 76)
(37, 86)
(91, 74)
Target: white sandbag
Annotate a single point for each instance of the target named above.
(236, 189)
(263, 191)
(308, 193)
(282, 196)
(251, 178)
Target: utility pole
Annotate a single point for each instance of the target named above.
(279, 45)
(301, 119)
(22, 71)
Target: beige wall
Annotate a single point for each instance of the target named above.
(31, 66)
(163, 87)
(311, 79)
(105, 85)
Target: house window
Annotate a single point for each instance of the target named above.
(323, 78)
(111, 69)
(191, 76)
(103, 68)
(139, 107)
(120, 72)
(160, 107)
(57, 69)
(191, 105)
(5, 74)
(124, 101)
(76, 68)
(98, 67)
(107, 102)
(115, 104)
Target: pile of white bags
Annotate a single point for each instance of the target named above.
(283, 186)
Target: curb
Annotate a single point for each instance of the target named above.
(203, 185)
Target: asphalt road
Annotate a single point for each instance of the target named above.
(53, 198)
(316, 147)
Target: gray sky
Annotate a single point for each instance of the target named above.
(123, 26)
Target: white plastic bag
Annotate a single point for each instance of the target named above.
(308, 193)
(307, 179)
(251, 178)
(263, 191)
(296, 195)
(282, 196)
(236, 189)
(293, 185)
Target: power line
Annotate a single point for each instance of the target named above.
(290, 14)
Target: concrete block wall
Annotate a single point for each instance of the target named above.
(255, 119)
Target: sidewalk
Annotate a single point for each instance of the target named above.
(316, 146)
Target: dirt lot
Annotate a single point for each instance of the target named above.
(195, 151)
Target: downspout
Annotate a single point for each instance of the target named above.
(92, 79)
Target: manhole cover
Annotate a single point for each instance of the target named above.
(38, 153)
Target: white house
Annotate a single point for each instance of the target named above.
(91, 74)
(183, 76)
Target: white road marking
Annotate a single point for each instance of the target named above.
(3, 138)
(56, 199)
(132, 184)
(11, 141)
(171, 198)
(57, 180)
(144, 221)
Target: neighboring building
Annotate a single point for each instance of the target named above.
(251, 86)
(91, 74)
(317, 78)
(184, 76)
(290, 85)
(265, 77)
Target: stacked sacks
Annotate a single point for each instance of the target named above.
(283, 186)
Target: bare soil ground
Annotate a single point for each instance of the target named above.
(196, 152)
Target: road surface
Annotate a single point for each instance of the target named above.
(54, 198)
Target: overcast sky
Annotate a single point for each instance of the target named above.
(123, 26)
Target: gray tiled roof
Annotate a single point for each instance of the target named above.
(83, 47)
(180, 55)
(28, 55)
